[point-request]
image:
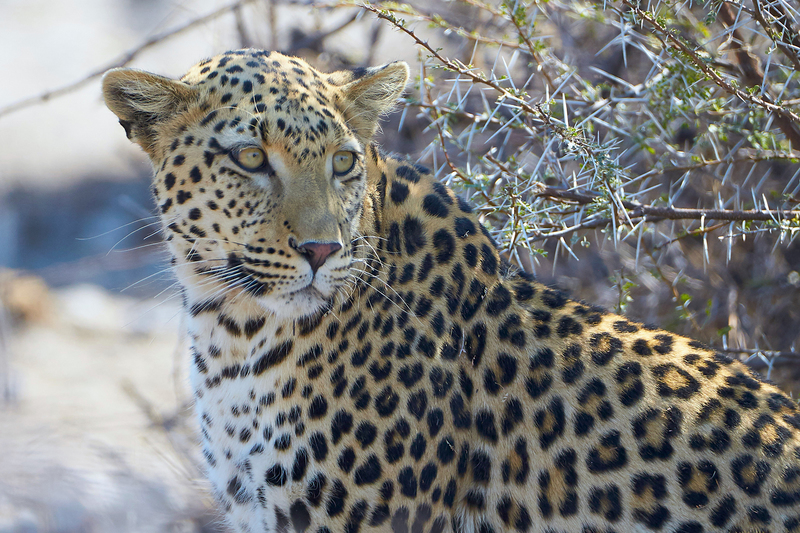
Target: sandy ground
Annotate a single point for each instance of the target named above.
(95, 430)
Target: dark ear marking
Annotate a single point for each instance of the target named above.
(126, 125)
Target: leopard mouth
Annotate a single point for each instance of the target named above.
(238, 274)
(251, 283)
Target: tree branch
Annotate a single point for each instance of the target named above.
(751, 70)
(456, 66)
(780, 16)
(657, 214)
(438, 20)
(745, 155)
(122, 61)
(670, 40)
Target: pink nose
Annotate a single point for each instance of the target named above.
(316, 253)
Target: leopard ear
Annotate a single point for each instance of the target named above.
(370, 93)
(142, 101)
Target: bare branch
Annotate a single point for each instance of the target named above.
(124, 60)
(244, 39)
(315, 40)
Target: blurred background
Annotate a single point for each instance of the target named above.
(96, 432)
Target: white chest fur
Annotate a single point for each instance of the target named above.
(246, 424)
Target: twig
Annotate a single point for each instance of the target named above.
(536, 56)
(670, 40)
(755, 157)
(145, 405)
(244, 39)
(6, 379)
(473, 117)
(751, 69)
(676, 295)
(272, 22)
(545, 191)
(765, 353)
(314, 40)
(439, 20)
(453, 168)
(167, 425)
(694, 233)
(657, 214)
(456, 66)
(681, 213)
(783, 21)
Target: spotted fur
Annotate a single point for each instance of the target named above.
(362, 358)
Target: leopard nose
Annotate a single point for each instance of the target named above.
(316, 253)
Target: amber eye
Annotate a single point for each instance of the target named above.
(343, 162)
(250, 158)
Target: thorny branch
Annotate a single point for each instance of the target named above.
(785, 38)
(477, 76)
(656, 213)
(526, 38)
(745, 156)
(751, 69)
(650, 213)
(756, 351)
(635, 211)
(440, 21)
(440, 134)
(670, 40)
(557, 174)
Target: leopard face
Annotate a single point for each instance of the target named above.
(363, 360)
(260, 179)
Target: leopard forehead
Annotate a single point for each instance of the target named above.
(283, 100)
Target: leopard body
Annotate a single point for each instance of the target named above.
(363, 359)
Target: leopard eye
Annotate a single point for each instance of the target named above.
(343, 162)
(250, 158)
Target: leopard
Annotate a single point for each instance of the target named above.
(363, 358)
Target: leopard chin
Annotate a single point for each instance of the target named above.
(297, 304)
